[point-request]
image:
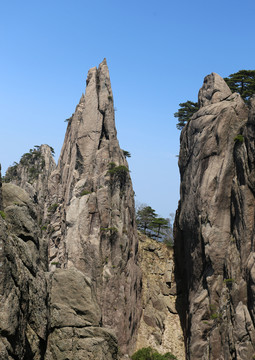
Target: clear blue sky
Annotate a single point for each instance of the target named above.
(158, 53)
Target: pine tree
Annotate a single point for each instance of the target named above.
(144, 217)
(242, 82)
(185, 112)
(158, 224)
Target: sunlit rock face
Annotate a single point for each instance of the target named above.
(32, 174)
(92, 213)
(80, 246)
(214, 227)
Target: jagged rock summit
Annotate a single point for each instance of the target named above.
(214, 89)
(214, 226)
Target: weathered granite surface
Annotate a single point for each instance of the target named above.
(75, 330)
(23, 286)
(93, 222)
(160, 326)
(84, 216)
(214, 227)
(32, 174)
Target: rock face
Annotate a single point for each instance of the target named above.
(92, 204)
(84, 234)
(75, 317)
(160, 326)
(32, 173)
(214, 228)
(23, 287)
(43, 315)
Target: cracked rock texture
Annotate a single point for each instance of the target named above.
(160, 326)
(214, 226)
(23, 286)
(75, 331)
(76, 224)
(32, 173)
(92, 210)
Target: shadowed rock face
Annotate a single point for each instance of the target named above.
(160, 324)
(42, 315)
(214, 227)
(23, 286)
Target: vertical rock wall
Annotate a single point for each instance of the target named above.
(23, 287)
(92, 212)
(84, 210)
(214, 228)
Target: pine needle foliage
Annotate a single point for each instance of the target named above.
(242, 82)
(185, 112)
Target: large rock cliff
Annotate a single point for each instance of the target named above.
(23, 285)
(214, 227)
(92, 216)
(84, 242)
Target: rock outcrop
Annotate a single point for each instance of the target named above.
(23, 286)
(160, 326)
(43, 315)
(32, 173)
(78, 236)
(92, 210)
(214, 227)
(75, 320)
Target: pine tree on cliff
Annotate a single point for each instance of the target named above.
(242, 82)
(185, 112)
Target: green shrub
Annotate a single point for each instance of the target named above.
(53, 208)
(85, 192)
(239, 138)
(112, 230)
(118, 174)
(150, 354)
(229, 282)
(2, 213)
(126, 153)
(215, 312)
(215, 316)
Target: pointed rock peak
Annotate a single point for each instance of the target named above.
(104, 62)
(214, 89)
